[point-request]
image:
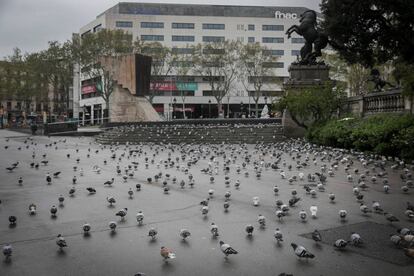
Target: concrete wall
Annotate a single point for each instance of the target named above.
(125, 107)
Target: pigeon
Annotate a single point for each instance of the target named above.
(74, 179)
(332, 197)
(91, 190)
(167, 253)
(122, 213)
(7, 251)
(109, 182)
(112, 225)
(390, 217)
(152, 233)
(138, 187)
(53, 211)
(214, 229)
(342, 214)
(61, 199)
(340, 244)
(110, 199)
(184, 233)
(293, 201)
(60, 241)
(204, 210)
(377, 207)
(140, 217)
(314, 210)
(364, 209)
(262, 220)
(48, 179)
(256, 201)
(278, 235)
(303, 215)
(72, 191)
(280, 214)
(409, 252)
(227, 249)
(130, 193)
(316, 236)
(249, 229)
(226, 205)
(32, 209)
(301, 251)
(356, 239)
(86, 228)
(20, 180)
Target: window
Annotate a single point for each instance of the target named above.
(189, 38)
(240, 27)
(97, 28)
(85, 33)
(250, 39)
(272, 27)
(273, 64)
(152, 37)
(251, 27)
(213, 26)
(298, 40)
(123, 24)
(295, 53)
(213, 38)
(274, 52)
(182, 25)
(240, 39)
(272, 40)
(212, 51)
(158, 25)
(182, 51)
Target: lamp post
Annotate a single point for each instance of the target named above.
(209, 108)
(174, 101)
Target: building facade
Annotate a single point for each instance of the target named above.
(180, 25)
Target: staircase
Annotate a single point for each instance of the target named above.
(193, 134)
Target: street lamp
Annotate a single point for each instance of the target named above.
(209, 108)
(174, 101)
(241, 109)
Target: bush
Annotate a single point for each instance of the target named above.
(383, 134)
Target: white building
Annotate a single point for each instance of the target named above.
(179, 25)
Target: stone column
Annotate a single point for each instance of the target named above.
(92, 113)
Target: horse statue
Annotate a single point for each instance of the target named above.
(315, 39)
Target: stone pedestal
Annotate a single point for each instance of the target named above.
(301, 77)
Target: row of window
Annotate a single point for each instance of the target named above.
(272, 52)
(205, 26)
(191, 38)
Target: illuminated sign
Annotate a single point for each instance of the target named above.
(285, 15)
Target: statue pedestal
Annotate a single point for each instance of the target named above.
(302, 77)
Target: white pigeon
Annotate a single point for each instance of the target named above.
(140, 217)
(256, 201)
(314, 210)
(227, 249)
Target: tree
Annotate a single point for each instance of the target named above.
(370, 32)
(95, 46)
(258, 70)
(312, 105)
(217, 62)
(182, 62)
(354, 75)
(161, 65)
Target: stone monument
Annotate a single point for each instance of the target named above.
(265, 113)
(306, 71)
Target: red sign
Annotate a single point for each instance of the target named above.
(163, 86)
(88, 89)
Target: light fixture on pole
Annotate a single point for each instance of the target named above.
(209, 108)
(174, 101)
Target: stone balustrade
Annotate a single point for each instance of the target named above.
(391, 101)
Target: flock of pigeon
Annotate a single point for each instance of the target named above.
(287, 160)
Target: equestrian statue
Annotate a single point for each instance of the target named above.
(315, 39)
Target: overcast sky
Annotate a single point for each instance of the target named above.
(30, 24)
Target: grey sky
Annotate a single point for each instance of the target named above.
(30, 24)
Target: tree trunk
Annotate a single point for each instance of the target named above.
(107, 111)
(257, 108)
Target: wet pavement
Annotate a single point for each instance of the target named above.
(129, 250)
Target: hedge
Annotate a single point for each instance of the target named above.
(384, 134)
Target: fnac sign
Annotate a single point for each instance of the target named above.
(285, 15)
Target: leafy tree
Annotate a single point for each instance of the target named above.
(161, 66)
(218, 63)
(182, 64)
(312, 105)
(95, 46)
(371, 31)
(257, 70)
